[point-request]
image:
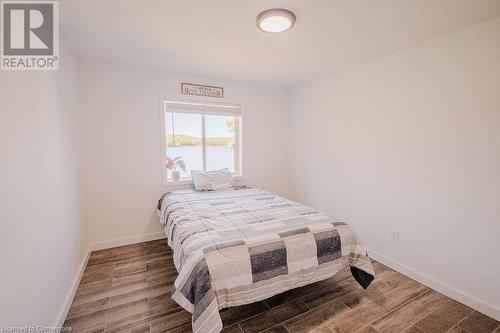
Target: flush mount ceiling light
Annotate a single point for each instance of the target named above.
(275, 20)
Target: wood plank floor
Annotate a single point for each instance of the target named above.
(127, 289)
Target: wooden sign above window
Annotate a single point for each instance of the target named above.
(201, 90)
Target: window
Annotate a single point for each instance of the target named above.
(200, 136)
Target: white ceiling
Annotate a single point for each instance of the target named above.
(219, 37)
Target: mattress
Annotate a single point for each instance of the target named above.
(243, 245)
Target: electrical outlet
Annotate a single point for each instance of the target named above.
(394, 236)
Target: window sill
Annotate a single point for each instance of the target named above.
(187, 183)
(179, 182)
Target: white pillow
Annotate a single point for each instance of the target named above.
(212, 180)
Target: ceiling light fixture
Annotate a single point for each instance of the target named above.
(275, 20)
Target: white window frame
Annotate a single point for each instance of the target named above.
(203, 108)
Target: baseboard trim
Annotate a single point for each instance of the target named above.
(93, 247)
(439, 286)
(71, 294)
(126, 241)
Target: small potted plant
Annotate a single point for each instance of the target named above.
(173, 163)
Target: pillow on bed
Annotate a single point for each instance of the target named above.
(212, 180)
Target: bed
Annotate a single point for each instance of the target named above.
(241, 245)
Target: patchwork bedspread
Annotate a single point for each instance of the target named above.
(240, 246)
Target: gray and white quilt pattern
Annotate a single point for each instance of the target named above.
(240, 246)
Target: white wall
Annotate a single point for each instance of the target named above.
(123, 142)
(411, 141)
(42, 239)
